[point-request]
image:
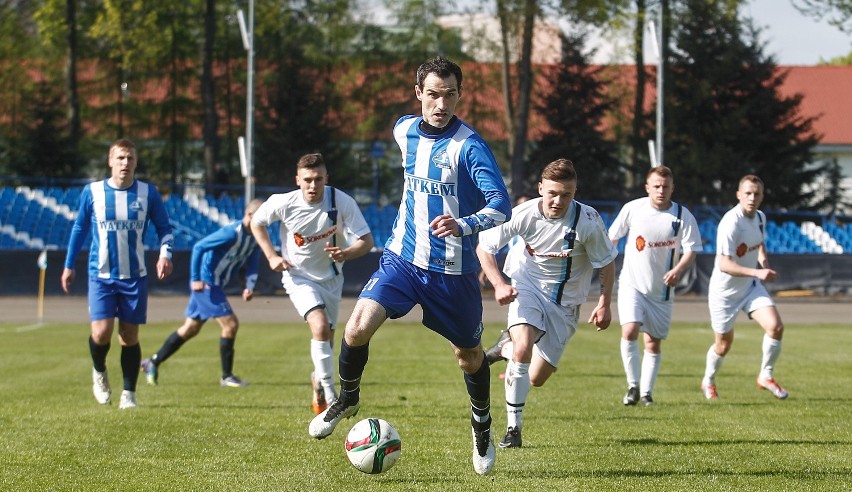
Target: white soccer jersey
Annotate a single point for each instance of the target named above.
(655, 241)
(549, 263)
(740, 238)
(307, 227)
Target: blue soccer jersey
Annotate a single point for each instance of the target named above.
(453, 173)
(119, 219)
(216, 257)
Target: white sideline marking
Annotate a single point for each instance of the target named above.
(21, 329)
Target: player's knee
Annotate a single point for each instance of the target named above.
(776, 331)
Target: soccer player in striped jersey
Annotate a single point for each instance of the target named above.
(315, 221)
(565, 241)
(452, 190)
(736, 284)
(662, 242)
(119, 210)
(215, 258)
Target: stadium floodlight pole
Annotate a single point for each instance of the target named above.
(247, 33)
(658, 39)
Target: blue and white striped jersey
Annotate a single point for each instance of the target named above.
(451, 173)
(120, 218)
(216, 257)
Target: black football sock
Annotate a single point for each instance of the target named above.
(479, 389)
(131, 357)
(170, 346)
(351, 365)
(99, 354)
(226, 351)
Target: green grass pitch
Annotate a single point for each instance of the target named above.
(190, 434)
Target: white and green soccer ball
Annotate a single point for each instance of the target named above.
(373, 445)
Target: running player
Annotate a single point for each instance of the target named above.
(565, 241)
(214, 260)
(662, 243)
(452, 190)
(736, 284)
(315, 220)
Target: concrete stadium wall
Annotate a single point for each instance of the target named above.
(823, 274)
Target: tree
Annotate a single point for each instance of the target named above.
(210, 129)
(832, 200)
(574, 108)
(45, 150)
(838, 12)
(725, 116)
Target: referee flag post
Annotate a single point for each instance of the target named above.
(42, 266)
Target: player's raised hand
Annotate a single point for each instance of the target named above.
(445, 225)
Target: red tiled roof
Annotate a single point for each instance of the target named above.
(827, 92)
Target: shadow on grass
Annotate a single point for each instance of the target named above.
(726, 442)
(805, 474)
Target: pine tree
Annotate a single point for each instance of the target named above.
(725, 117)
(573, 108)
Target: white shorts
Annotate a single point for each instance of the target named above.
(308, 295)
(655, 317)
(724, 310)
(559, 323)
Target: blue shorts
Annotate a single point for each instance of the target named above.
(209, 303)
(452, 304)
(126, 299)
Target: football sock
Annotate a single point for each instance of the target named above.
(630, 359)
(351, 365)
(226, 353)
(170, 346)
(771, 350)
(99, 353)
(131, 357)
(517, 384)
(650, 368)
(323, 357)
(714, 362)
(479, 389)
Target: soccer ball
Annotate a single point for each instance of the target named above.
(373, 445)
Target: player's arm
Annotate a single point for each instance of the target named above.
(208, 243)
(729, 266)
(618, 229)
(252, 269)
(602, 314)
(358, 248)
(261, 234)
(160, 218)
(79, 231)
(485, 173)
(504, 293)
(672, 277)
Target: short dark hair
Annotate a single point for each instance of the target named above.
(310, 161)
(559, 170)
(441, 67)
(661, 171)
